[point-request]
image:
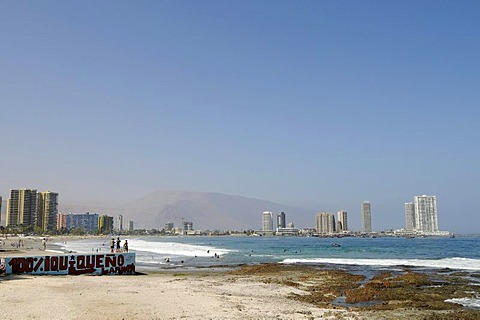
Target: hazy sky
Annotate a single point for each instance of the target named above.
(320, 104)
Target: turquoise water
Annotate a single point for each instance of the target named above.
(460, 253)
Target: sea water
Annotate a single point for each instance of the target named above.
(460, 253)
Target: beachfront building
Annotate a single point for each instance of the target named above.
(342, 221)
(366, 217)
(281, 220)
(87, 221)
(188, 226)
(119, 223)
(169, 226)
(267, 221)
(325, 223)
(426, 219)
(47, 204)
(409, 216)
(105, 224)
(29, 209)
(289, 230)
(21, 208)
(61, 221)
(130, 225)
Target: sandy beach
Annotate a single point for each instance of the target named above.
(158, 296)
(269, 291)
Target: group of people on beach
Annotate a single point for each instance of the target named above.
(115, 245)
(14, 244)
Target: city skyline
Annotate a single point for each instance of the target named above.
(420, 215)
(30, 208)
(318, 105)
(40, 209)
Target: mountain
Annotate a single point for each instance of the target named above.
(207, 211)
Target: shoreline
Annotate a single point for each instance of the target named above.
(250, 292)
(33, 245)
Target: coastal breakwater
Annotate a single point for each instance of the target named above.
(71, 264)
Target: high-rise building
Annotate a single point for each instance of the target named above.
(31, 209)
(130, 225)
(47, 206)
(119, 223)
(366, 217)
(87, 221)
(267, 221)
(22, 207)
(325, 223)
(426, 219)
(187, 226)
(409, 216)
(342, 221)
(281, 220)
(61, 221)
(169, 226)
(105, 224)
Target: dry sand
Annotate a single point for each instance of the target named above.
(153, 296)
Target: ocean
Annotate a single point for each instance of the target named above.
(460, 253)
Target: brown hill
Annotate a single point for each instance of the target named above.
(207, 211)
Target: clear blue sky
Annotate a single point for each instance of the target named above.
(320, 104)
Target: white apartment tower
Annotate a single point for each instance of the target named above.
(267, 221)
(342, 221)
(281, 220)
(426, 219)
(366, 217)
(119, 223)
(409, 216)
(325, 223)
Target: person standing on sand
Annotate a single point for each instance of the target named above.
(125, 246)
(118, 244)
(44, 242)
(112, 245)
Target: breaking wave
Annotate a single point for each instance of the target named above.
(451, 263)
(176, 249)
(466, 302)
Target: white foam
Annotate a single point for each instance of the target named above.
(176, 249)
(466, 302)
(150, 261)
(451, 263)
(54, 251)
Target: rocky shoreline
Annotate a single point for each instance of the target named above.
(388, 295)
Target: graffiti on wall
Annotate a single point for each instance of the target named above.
(2, 265)
(73, 264)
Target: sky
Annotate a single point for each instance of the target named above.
(317, 104)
